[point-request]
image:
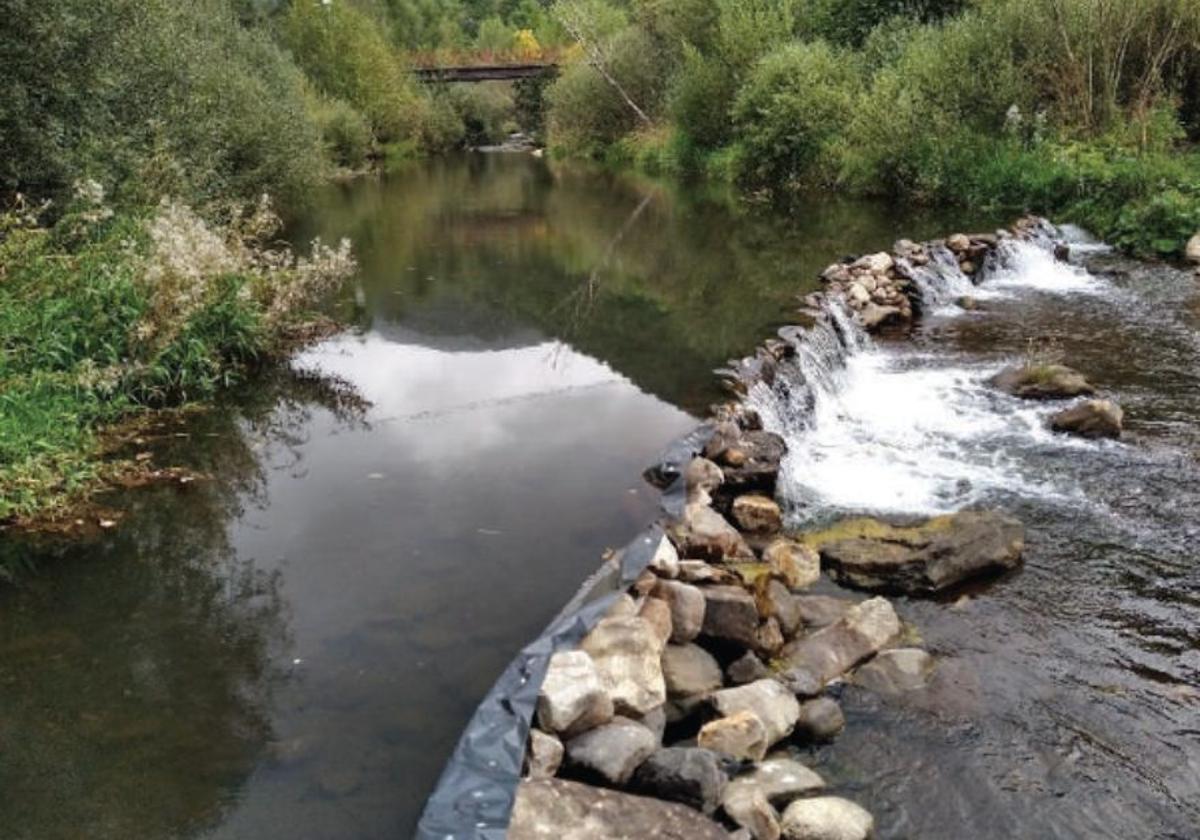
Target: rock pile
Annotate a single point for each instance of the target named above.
(678, 709)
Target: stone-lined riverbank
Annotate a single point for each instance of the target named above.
(674, 716)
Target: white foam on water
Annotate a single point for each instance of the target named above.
(895, 431)
(1026, 265)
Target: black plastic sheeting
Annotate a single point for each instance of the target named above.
(474, 797)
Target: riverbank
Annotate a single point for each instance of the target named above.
(1020, 106)
(111, 315)
(717, 654)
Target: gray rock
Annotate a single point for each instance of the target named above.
(776, 601)
(730, 612)
(544, 756)
(690, 670)
(690, 775)
(612, 751)
(895, 672)
(742, 736)
(817, 611)
(554, 809)
(758, 455)
(703, 534)
(798, 565)
(657, 614)
(702, 477)
(1192, 251)
(774, 705)
(769, 639)
(757, 514)
(665, 561)
(656, 721)
(862, 632)
(747, 669)
(1091, 419)
(686, 603)
(826, 818)
(801, 681)
(880, 263)
(572, 697)
(922, 559)
(820, 719)
(780, 780)
(697, 571)
(627, 653)
(749, 808)
(1042, 382)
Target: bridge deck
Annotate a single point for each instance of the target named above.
(484, 73)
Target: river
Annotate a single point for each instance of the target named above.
(290, 646)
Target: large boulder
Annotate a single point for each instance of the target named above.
(703, 534)
(1042, 382)
(690, 775)
(627, 651)
(749, 808)
(690, 670)
(731, 613)
(572, 697)
(747, 669)
(773, 704)
(1192, 251)
(776, 601)
(1091, 419)
(862, 632)
(757, 514)
(611, 752)
(751, 462)
(686, 603)
(817, 611)
(554, 809)
(921, 559)
(826, 818)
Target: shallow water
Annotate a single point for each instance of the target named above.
(1068, 701)
(290, 647)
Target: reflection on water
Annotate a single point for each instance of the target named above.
(291, 647)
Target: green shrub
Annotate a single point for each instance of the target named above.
(794, 107)
(347, 56)
(344, 131)
(485, 111)
(700, 99)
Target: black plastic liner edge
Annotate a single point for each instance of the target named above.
(475, 794)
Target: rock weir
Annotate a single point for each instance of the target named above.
(676, 713)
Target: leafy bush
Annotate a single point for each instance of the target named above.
(795, 105)
(344, 131)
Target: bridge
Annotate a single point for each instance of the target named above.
(485, 72)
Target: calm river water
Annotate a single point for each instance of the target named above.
(290, 647)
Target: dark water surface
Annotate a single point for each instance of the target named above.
(290, 647)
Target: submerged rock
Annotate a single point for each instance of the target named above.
(690, 775)
(862, 632)
(627, 653)
(820, 719)
(572, 697)
(1091, 419)
(1042, 382)
(612, 751)
(826, 818)
(921, 559)
(555, 809)
(895, 672)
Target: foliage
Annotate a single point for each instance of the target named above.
(794, 105)
(149, 96)
(344, 131)
(106, 312)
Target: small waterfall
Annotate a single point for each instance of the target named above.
(941, 282)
